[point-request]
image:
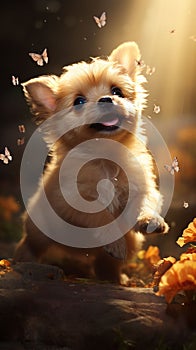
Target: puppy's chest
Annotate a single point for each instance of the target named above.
(104, 180)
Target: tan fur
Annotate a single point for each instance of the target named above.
(48, 95)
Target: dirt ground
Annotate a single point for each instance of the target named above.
(41, 310)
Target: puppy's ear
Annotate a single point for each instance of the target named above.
(41, 95)
(127, 55)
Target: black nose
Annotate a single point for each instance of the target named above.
(105, 99)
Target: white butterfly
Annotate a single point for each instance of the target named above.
(173, 167)
(15, 80)
(101, 22)
(6, 157)
(40, 58)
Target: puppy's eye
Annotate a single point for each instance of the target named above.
(79, 101)
(117, 91)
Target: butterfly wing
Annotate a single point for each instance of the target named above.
(4, 158)
(21, 128)
(169, 169)
(40, 62)
(175, 165)
(103, 19)
(20, 142)
(14, 81)
(45, 56)
(7, 155)
(5, 161)
(37, 58)
(172, 171)
(97, 20)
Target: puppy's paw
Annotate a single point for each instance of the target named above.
(148, 224)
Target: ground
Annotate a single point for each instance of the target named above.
(43, 310)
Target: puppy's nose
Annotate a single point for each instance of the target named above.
(105, 99)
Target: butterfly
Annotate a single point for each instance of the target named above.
(21, 128)
(149, 70)
(185, 205)
(173, 167)
(21, 141)
(101, 22)
(40, 58)
(15, 80)
(6, 157)
(156, 109)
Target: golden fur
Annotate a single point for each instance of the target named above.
(52, 95)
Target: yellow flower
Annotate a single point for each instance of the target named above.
(189, 234)
(181, 276)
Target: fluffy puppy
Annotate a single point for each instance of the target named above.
(99, 101)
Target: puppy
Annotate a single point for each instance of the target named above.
(99, 102)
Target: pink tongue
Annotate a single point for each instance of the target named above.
(110, 122)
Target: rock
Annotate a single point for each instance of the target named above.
(41, 310)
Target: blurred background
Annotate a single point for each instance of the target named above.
(165, 31)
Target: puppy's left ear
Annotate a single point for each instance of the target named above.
(127, 55)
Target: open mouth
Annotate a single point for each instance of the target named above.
(107, 123)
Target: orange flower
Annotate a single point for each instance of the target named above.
(152, 255)
(5, 266)
(5, 263)
(181, 276)
(189, 234)
(188, 256)
(160, 268)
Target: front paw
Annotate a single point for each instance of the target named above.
(148, 224)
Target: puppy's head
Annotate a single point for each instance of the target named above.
(102, 98)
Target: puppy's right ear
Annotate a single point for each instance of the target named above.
(127, 55)
(41, 95)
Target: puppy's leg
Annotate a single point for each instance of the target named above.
(23, 251)
(33, 244)
(107, 267)
(150, 220)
